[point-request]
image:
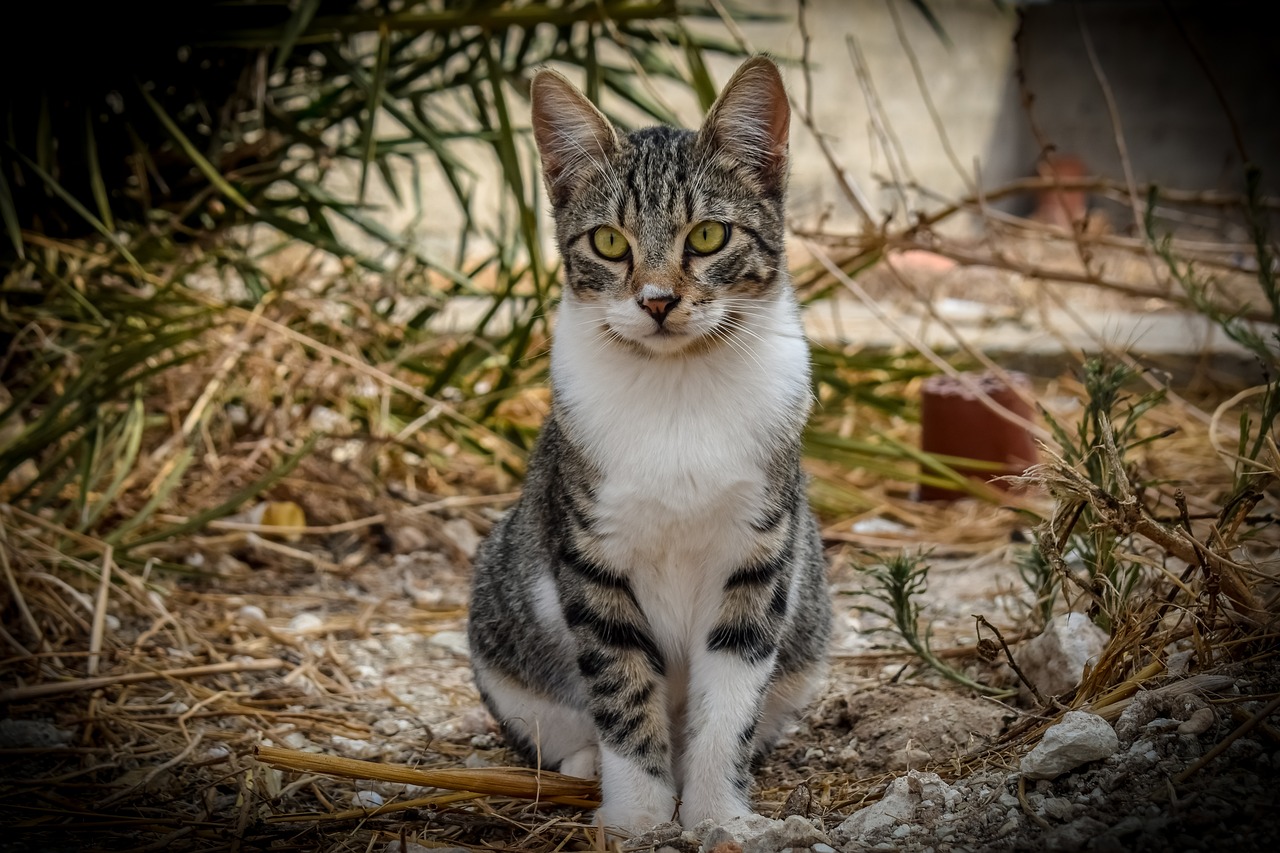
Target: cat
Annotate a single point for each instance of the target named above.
(654, 608)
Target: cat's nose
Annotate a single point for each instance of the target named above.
(659, 305)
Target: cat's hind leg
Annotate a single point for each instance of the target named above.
(788, 696)
(547, 732)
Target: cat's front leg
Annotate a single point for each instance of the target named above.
(729, 677)
(623, 671)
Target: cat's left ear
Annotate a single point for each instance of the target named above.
(750, 123)
(573, 137)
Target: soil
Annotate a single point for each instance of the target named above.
(374, 666)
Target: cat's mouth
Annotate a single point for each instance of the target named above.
(674, 339)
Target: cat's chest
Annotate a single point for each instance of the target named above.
(681, 453)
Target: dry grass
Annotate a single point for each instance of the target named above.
(213, 687)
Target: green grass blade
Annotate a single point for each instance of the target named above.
(377, 89)
(75, 205)
(96, 183)
(162, 492)
(132, 428)
(700, 78)
(297, 25)
(193, 154)
(9, 213)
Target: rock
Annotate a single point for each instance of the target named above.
(406, 539)
(251, 614)
(907, 798)
(756, 834)
(1073, 836)
(1198, 723)
(356, 748)
(1054, 661)
(453, 641)
(463, 535)
(662, 835)
(306, 623)
(26, 734)
(366, 799)
(1081, 737)
(799, 802)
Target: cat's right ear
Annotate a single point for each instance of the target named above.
(572, 135)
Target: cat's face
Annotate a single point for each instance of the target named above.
(670, 238)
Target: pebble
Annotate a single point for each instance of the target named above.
(305, 623)
(1198, 723)
(387, 727)
(453, 641)
(294, 740)
(366, 799)
(22, 734)
(1081, 737)
(1055, 660)
(355, 748)
(251, 614)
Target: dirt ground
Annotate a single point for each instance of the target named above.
(368, 636)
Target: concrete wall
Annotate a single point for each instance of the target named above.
(1176, 131)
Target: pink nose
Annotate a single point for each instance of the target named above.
(659, 307)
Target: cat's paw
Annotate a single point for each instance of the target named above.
(631, 820)
(719, 808)
(585, 763)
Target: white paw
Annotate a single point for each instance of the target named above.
(628, 819)
(585, 763)
(720, 809)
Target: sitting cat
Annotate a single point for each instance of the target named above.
(654, 608)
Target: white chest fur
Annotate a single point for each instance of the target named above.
(682, 443)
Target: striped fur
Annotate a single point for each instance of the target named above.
(654, 608)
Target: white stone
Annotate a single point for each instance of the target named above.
(355, 748)
(294, 740)
(366, 799)
(905, 796)
(453, 641)
(251, 614)
(1054, 661)
(305, 623)
(759, 834)
(1081, 737)
(462, 534)
(877, 525)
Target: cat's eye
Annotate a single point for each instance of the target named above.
(707, 237)
(609, 243)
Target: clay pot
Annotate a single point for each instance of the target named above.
(956, 422)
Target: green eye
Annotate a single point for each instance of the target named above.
(609, 243)
(707, 237)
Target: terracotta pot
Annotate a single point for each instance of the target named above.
(956, 422)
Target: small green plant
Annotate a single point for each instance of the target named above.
(1038, 575)
(898, 583)
(1097, 447)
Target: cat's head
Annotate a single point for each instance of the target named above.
(671, 239)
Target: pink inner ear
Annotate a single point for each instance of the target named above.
(751, 120)
(568, 129)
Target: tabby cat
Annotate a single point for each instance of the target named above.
(654, 609)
